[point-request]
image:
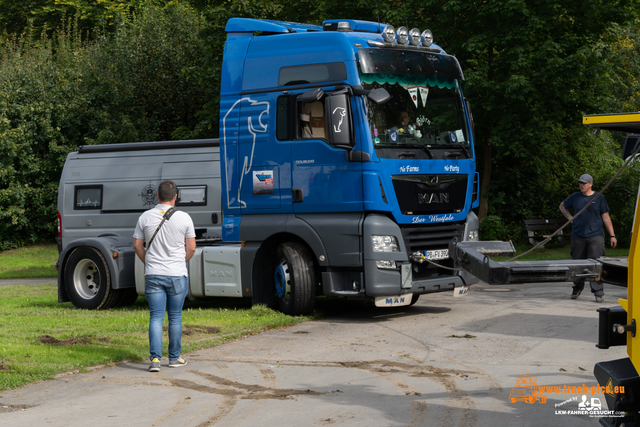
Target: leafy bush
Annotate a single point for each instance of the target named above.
(495, 228)
(61, 92)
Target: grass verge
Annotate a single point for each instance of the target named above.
(40, 338)
(29, 261)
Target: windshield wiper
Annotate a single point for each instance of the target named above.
(400, 146)
(461, 147)
(423, 147)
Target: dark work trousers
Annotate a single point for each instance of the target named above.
(588, 248)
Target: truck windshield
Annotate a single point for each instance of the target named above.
(425, 113)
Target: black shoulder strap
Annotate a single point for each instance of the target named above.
(165, 217)
(168, 213)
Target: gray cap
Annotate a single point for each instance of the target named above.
(586, 178)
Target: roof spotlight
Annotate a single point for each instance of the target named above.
(414, 37)
(427, 38)
(389, 34)
(402, 35)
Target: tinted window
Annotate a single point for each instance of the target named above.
(315, 73)
(282, 119)
(87, 197)
(194, 195)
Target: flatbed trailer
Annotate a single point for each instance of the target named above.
(617, 325)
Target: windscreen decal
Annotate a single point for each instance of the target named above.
(413, 93)
(263, 182)
(424, 93)
(407, 81)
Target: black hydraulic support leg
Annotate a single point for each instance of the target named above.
(474, 257)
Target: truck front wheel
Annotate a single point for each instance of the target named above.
(88, 280)
(294, 279)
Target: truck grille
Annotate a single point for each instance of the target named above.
(430, 194)
(427, 237)
(431, 236)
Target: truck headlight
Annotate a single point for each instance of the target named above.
(385, 244)
(389, 34)
(473, 235)
(402, 35)
(414, 37)
(427, 38)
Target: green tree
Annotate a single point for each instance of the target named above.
(61, 92)
(532, 73)
(140, 78)
(45, 16)
(624, 90)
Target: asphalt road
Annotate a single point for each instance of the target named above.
(443, 362)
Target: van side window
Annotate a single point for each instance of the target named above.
(87, 197)
(192, 195)
(313, 121)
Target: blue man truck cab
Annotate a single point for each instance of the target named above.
(345, 167)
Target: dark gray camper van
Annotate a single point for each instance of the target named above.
(104, 189)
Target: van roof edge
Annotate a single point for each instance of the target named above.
(155, 145)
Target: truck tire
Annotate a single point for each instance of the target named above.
(414, 299)
(294, 279)
(88, 280)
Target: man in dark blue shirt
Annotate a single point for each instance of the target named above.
(587, 236)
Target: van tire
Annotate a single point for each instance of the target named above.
(294, 279)
(88, 280)
(127, 297)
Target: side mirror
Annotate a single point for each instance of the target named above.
(312, 96)
(630, 145)
(339, 125)
(380, 96)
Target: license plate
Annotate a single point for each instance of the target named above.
(394, 301)
(460, 291)
(437, 254)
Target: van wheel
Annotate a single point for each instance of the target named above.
(88, 280)
(294, 279)
(128, 296)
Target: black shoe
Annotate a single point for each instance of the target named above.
(576, 293)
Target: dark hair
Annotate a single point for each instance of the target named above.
(167, 190)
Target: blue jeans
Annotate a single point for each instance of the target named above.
(165, 293)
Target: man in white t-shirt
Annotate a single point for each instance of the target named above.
(170, 245)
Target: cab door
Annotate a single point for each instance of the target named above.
(263, 163)
(323, 179)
